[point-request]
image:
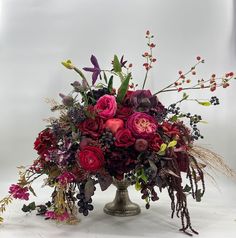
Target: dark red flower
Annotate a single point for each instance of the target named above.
(45, 142)
(91, 158)
(143, 100)
(120, 162)
(92, 127)
(155, 143)
(183, 161)
(142, 125)
(170, 129)
(123, 112)
(124, 138)
(140, 145)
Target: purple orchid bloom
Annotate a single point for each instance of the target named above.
(95, 70)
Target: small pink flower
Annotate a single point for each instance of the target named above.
(106, 106)
(50, 215)
(59, 217)
(66, 178)
(63, 217)
(18, 192)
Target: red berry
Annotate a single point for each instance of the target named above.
(180, 89)
(231, 74)
(182, 76)
(152, 45)
(188, 81)
(213, 75)
(193, 72)
(213, 89)
(130, 65)
(180, 72)
(147, 33)
(154, 60)
(198, 57)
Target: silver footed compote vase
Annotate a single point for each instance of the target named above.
(122, 205)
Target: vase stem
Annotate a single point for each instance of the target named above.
(122, 205)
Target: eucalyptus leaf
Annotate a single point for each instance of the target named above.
(105, 181)
(89, 189)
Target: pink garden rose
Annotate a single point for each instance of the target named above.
(106, 106)
(142, 125)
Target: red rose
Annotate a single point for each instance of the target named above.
(45, 142)
(155, 143)
(91, 158)
(124, 138)
(114, 124)
(106, 106)
(142, 125)
(123, 112)
(92, 127)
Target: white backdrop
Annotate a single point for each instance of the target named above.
(35, 36)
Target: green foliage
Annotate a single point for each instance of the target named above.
(105, 77)
(187, 188)
(204, 103)
(162, 149)
(174, 118)
(173, 143)
(123, 88)
(185, 96)
(137, 186)
(29, 208)
(198, 195)
(110, 84)
(116, 65)
(32, 191)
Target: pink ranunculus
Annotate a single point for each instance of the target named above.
(106, 106)
(142, 125)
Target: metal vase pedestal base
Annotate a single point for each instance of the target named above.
(121, 205)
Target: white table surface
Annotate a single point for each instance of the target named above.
(214, 217)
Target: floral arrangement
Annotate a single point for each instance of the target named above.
(103, 133)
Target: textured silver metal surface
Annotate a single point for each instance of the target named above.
(122, 205)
